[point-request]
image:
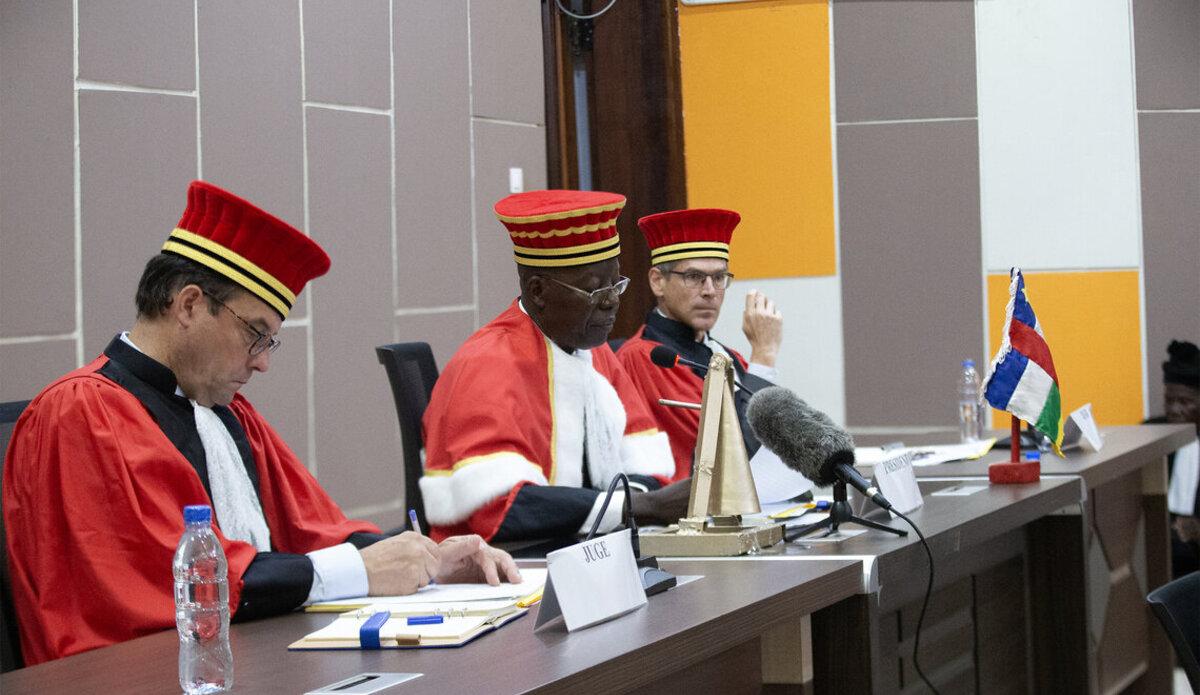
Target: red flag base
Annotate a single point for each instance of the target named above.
(1019, 472)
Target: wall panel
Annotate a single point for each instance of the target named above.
(433, 155)
(347, 54)
(143, 43)
(37, 186)
(1170, 150)
(911, 281)
(349, 183)
(1058, 140)
(137, 154)
(756, 130)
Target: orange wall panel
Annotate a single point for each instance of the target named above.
(1092, 323)
(757, 130)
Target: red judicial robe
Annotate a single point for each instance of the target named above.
(502, 458)
(680, 383)
(95, 483)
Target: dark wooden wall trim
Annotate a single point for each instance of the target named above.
(636, 116)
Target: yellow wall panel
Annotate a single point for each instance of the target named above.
(1092, 323)
(757, 132)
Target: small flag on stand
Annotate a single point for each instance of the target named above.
(1021, 379)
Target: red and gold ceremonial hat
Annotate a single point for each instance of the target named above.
(554, 229)
(700, 233)
(255, 249)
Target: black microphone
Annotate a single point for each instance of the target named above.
(667, 358)
(807, 441)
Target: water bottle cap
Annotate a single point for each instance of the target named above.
(968, 363)
(1033, 456)
(197, 512)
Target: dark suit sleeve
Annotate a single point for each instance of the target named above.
(276, 583)
(546, 511)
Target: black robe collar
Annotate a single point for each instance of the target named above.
(155, 386)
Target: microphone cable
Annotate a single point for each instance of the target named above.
(924, 604)
(627, 513)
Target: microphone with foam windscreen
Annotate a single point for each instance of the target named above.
(807, 441)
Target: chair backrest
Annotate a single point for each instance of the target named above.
(1176, 604)
(10, 638)
(412, 371)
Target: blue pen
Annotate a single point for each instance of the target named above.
(416, 526)
(425, 620)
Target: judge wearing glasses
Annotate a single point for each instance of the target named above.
(533, 416)
(104, 459)
(689, 273)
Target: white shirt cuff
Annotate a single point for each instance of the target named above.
(762, 371)
(612, 515)
(338, 572)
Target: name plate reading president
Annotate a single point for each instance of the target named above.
(898, 483)
(590, 582)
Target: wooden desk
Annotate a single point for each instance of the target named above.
(974, 633)
(1088, 572)
(702, 637)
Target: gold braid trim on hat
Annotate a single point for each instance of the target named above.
(689, 249)
(569, 256)
(233, 266)
(564, 232)
(565, 214)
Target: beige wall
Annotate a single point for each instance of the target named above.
(385, 133)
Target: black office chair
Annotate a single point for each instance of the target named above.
(412, 371)
(10, 638)
(1176, 604)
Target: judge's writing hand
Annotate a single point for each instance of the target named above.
(400, 564)
(470, 559)
(763, 325)
(663, 506)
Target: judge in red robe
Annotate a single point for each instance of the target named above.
(533, 416)
(689, 256)
(102, 462)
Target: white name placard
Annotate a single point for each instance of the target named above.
(895, 479)
(592, 581)
(1080, 428)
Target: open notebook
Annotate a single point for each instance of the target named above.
(418, 625)
(442, 615)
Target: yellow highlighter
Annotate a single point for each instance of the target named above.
(530, 599)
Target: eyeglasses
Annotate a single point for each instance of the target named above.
(262, 341)
(694, 279)
(596, 296)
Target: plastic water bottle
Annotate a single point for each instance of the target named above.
(970, 403)
(202, 606)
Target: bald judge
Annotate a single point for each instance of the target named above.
(103, 461)
(533, 416)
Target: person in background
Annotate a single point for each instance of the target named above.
(689, 256)
(533, 416)
(1181, 400)
(102, 461)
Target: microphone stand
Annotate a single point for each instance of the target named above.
(839, 513)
